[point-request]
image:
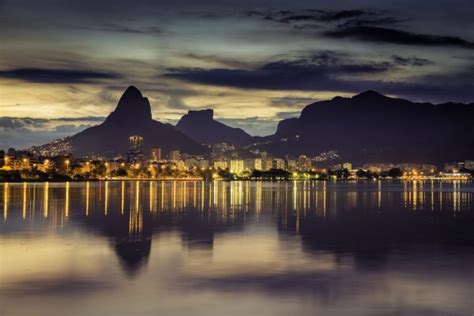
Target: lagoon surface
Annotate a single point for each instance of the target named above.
(237, 248)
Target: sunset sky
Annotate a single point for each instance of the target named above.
(64, 64)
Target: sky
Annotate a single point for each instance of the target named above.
(64, 64)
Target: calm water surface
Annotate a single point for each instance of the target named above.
(239, 248)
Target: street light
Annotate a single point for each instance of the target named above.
(67, 162)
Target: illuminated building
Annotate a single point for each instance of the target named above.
(304, 163)
(279, 163)
(236, 166)
(175, 155)
(253, 164)
(155, 154)
(135, 148)
(267, 164)
(221, 164)
(204, 163)
(191, 163)
(347, 165)
(136, 144)
(291, 164)
(378, 167)
(469, 164)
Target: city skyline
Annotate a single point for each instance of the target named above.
(63, 67)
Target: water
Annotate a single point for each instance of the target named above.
(239, 248)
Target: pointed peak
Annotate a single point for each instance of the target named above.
(369, 94)
(132, 91)
(131, 108)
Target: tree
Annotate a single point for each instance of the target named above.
(395, 173)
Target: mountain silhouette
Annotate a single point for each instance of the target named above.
(371, 127)
(201, 126)
(132, 116)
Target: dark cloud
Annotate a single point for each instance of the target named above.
(315, 73)
(410, 61)
(123, 28)
(328, 71)
(387, 35)
(365, 25)
(10, 123)
(315, 18)
(215, 59)
(44, 75)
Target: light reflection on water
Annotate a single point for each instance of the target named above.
(220, 248)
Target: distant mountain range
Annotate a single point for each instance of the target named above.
(201, 126)
(368, 127)
(371, 127)
(132, 116)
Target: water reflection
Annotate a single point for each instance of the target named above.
(288, 237)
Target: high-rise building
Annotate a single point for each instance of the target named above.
(291, 164)
(304, 163)
(175, 155)
(135, 148)
(155, 154)
(136, 144)
(236, 165)
(279, 163)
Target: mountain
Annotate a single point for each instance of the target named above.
(132, 116)
(371, 127)
(201, 126)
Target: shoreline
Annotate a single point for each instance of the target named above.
(235, 180)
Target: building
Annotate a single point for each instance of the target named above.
(378, 167)
(469, 164)
(304, 163)
(291, 164)
(347, 165)
(267, 164)
(191, 163)
(221, 164)
(135, 153)
(236, 166)
(155, 154)
(204, 164)
(175, 155)
(46, 165)
(279, 163)
(136, 144)
(253, 164)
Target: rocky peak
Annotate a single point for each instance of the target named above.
(131, 109)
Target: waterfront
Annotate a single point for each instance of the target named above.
(232, 248)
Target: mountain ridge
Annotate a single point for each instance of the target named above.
(373, 127)
(366, 127)
(214, 132)
(132, 116)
